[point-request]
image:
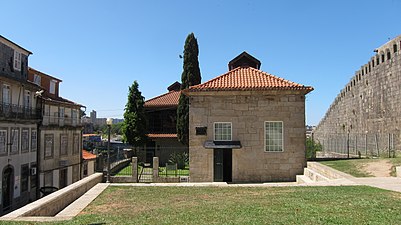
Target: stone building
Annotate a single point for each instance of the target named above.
(60, 134)
(246, 126)
(161, 114)
(366, 114)
(19, 116)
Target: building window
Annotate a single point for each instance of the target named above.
(25, 140)
(274, 136)
(17, 60)
(75, 149)
(61, 115)
(49, 145)
(37, 79)
(27, 99)
(6, 94)
(74, 117)
(382, 58)
(48, 182)
(395, 48)
(24, 177)
(388, 55)
(3, 141)
(34, 140)
(52, 88)
(222, 131)
(63, 144)
(14, 140)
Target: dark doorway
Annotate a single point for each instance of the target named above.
(63, 178)
(7, 185)
(222, 165)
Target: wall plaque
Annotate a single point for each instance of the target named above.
(201, 130)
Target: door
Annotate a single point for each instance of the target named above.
(7, 185)
(222, 169)
(218, 165)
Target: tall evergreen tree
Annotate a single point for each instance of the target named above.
(190, 76)
(134, 127)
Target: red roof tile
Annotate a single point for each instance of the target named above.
(165, 100)
(87, 155)
(247, 78)
(162, 135)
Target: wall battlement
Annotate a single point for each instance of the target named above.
(370, 103)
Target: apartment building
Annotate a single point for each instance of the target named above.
(60, 134)
(19, 118)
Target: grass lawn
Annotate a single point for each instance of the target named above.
(350, 166)
(240, 205)
(354, 166)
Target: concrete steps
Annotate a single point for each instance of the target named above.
(318, 173)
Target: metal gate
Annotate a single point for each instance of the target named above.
(145, 173)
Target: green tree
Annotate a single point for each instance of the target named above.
(134, 127)
(311, 148)
(190, 76)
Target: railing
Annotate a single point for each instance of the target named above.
(60, 121)
(171, 170)
(359, 145)
(18, 112)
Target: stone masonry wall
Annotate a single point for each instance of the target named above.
(247, 111)
(370, 104)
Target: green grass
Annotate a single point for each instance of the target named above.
(240, 205)
(350, 166)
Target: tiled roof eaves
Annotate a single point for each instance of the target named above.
(304, 88)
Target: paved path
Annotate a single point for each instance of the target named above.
(387, 183)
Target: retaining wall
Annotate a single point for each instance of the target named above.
(51, 204)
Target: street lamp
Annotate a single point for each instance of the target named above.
(109, 122)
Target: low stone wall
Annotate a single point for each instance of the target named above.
(166, 180)
(119, 165)
(123, 179)
(326, 171)
(51, 204)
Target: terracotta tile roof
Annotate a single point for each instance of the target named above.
(165, 100)
(87, 155)
(162, 135)
(247, 78)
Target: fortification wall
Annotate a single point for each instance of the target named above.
(370, 103)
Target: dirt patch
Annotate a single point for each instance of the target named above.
(378, 168)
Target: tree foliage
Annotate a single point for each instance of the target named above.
(190, 76)
(134, 127)
(311, 148)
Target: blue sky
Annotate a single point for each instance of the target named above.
(98, 48)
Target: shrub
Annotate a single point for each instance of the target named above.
(311, 148)
(179, 158)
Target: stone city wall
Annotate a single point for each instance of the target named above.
(367, 111)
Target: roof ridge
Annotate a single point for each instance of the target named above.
(248, 78)
(224, 74)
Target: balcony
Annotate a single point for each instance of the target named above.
(12, 111)
(60, 121)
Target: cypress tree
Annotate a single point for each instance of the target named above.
(134, 127)
(190, 76)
